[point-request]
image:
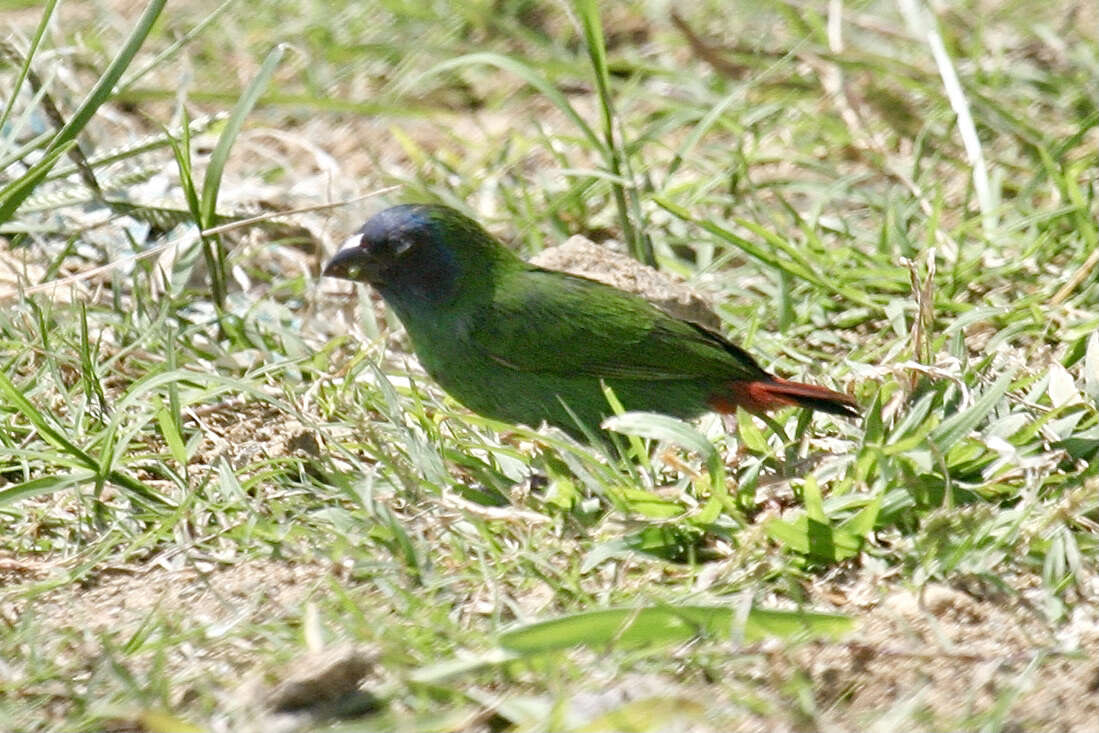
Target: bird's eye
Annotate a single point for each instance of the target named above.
(353, 272)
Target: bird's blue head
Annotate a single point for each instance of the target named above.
(406, 252)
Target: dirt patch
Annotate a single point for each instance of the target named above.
(194, 623)
(948, 656)
(120, 598)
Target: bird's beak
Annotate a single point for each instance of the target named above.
(352, 262)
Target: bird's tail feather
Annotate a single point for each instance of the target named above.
(760, 396)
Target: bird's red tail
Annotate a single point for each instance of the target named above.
(760, 396)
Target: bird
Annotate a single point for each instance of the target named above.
(526, 345)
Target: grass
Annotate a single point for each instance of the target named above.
(211, 463)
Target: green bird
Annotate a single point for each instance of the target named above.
(522, 344)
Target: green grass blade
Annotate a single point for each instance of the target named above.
(169, 430)
(51, 434)
(16, 192)
(667, 624)
(790, 267)
(617, 161)
(661, 427)
(817, 540)
(145, 495)
(28, 59)
(214, 171)
(100, 93)
(957, 426)
(104, 87)
(43, 485)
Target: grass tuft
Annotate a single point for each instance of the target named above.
(214, 464)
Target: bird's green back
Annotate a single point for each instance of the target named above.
(544, 321)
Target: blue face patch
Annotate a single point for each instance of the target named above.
(420, 266)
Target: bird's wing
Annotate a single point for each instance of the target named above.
(546, 321)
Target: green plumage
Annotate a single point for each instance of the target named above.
(522, 344)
